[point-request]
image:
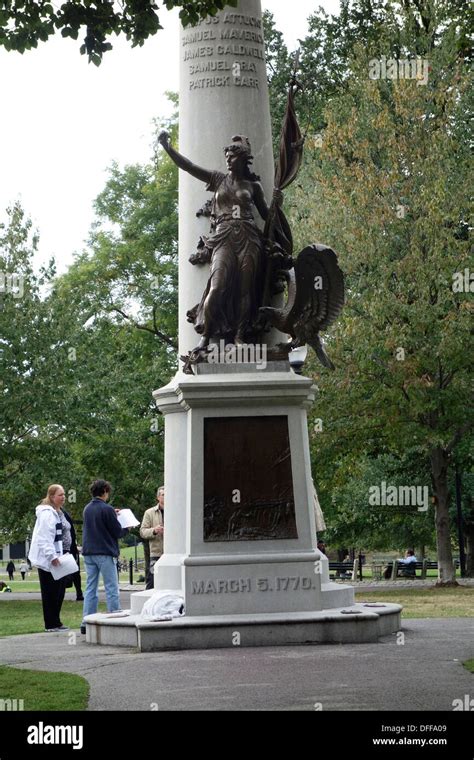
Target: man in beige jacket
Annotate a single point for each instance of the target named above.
(151, 529)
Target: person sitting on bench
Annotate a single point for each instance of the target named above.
(346, 574)
(408, 569)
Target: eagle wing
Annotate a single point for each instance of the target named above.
(319, 297)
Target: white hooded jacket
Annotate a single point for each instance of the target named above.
(46, 541)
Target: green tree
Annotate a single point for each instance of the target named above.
(33, 418)
(388, 192)
(397, 28)
(463, 467)
(24, 23)
(122, 294)
(356, 522)
(129, 270)
(280, 68)
(383, 27)
(83, 352)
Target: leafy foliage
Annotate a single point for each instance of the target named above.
(24, 23)
(33, 418)
(280, 68)
(388, 192)
(83, 352)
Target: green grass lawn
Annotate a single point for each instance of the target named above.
(430, 574)
(27, 616)
(32, 584)
(19, 587)
(469, 665)
(42, 690)
(129, 552)
(426, 603)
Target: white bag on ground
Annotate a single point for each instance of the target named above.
(163, 605)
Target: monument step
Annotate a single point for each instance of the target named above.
(358, 623)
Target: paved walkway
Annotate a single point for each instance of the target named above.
(425, 663)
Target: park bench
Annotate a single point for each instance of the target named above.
(343, 571)
(400, 570)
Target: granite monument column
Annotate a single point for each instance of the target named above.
(223, 92)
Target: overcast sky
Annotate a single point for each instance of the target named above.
(64, 121)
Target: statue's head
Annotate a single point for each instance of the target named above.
(239, 151)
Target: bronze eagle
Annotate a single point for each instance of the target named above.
(315, 300)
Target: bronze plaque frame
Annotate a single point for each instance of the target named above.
(248, 480)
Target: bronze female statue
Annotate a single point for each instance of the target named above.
(235, 248)
(248, 266)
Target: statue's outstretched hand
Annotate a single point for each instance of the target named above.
(164, 139)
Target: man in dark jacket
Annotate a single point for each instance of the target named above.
(101, 531)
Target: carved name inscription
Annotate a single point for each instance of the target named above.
(247, 585)
(231, 43)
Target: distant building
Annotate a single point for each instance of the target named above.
(14, 551)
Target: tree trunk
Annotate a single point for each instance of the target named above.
(469, 536)
(420, 553)
(439, 473)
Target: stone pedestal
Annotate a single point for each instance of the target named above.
(240, 537)
(240, 533)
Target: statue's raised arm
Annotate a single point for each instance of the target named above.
(182, 162)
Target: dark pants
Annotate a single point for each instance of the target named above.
(150, 579)
(52, 595)
(22, 575)
(10, 575)
(75, 579)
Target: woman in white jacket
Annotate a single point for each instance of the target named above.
(45, 550)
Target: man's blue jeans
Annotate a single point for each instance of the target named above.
(96, 565)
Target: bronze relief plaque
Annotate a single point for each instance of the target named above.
(248, 483)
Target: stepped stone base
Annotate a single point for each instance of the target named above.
(356, 624)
